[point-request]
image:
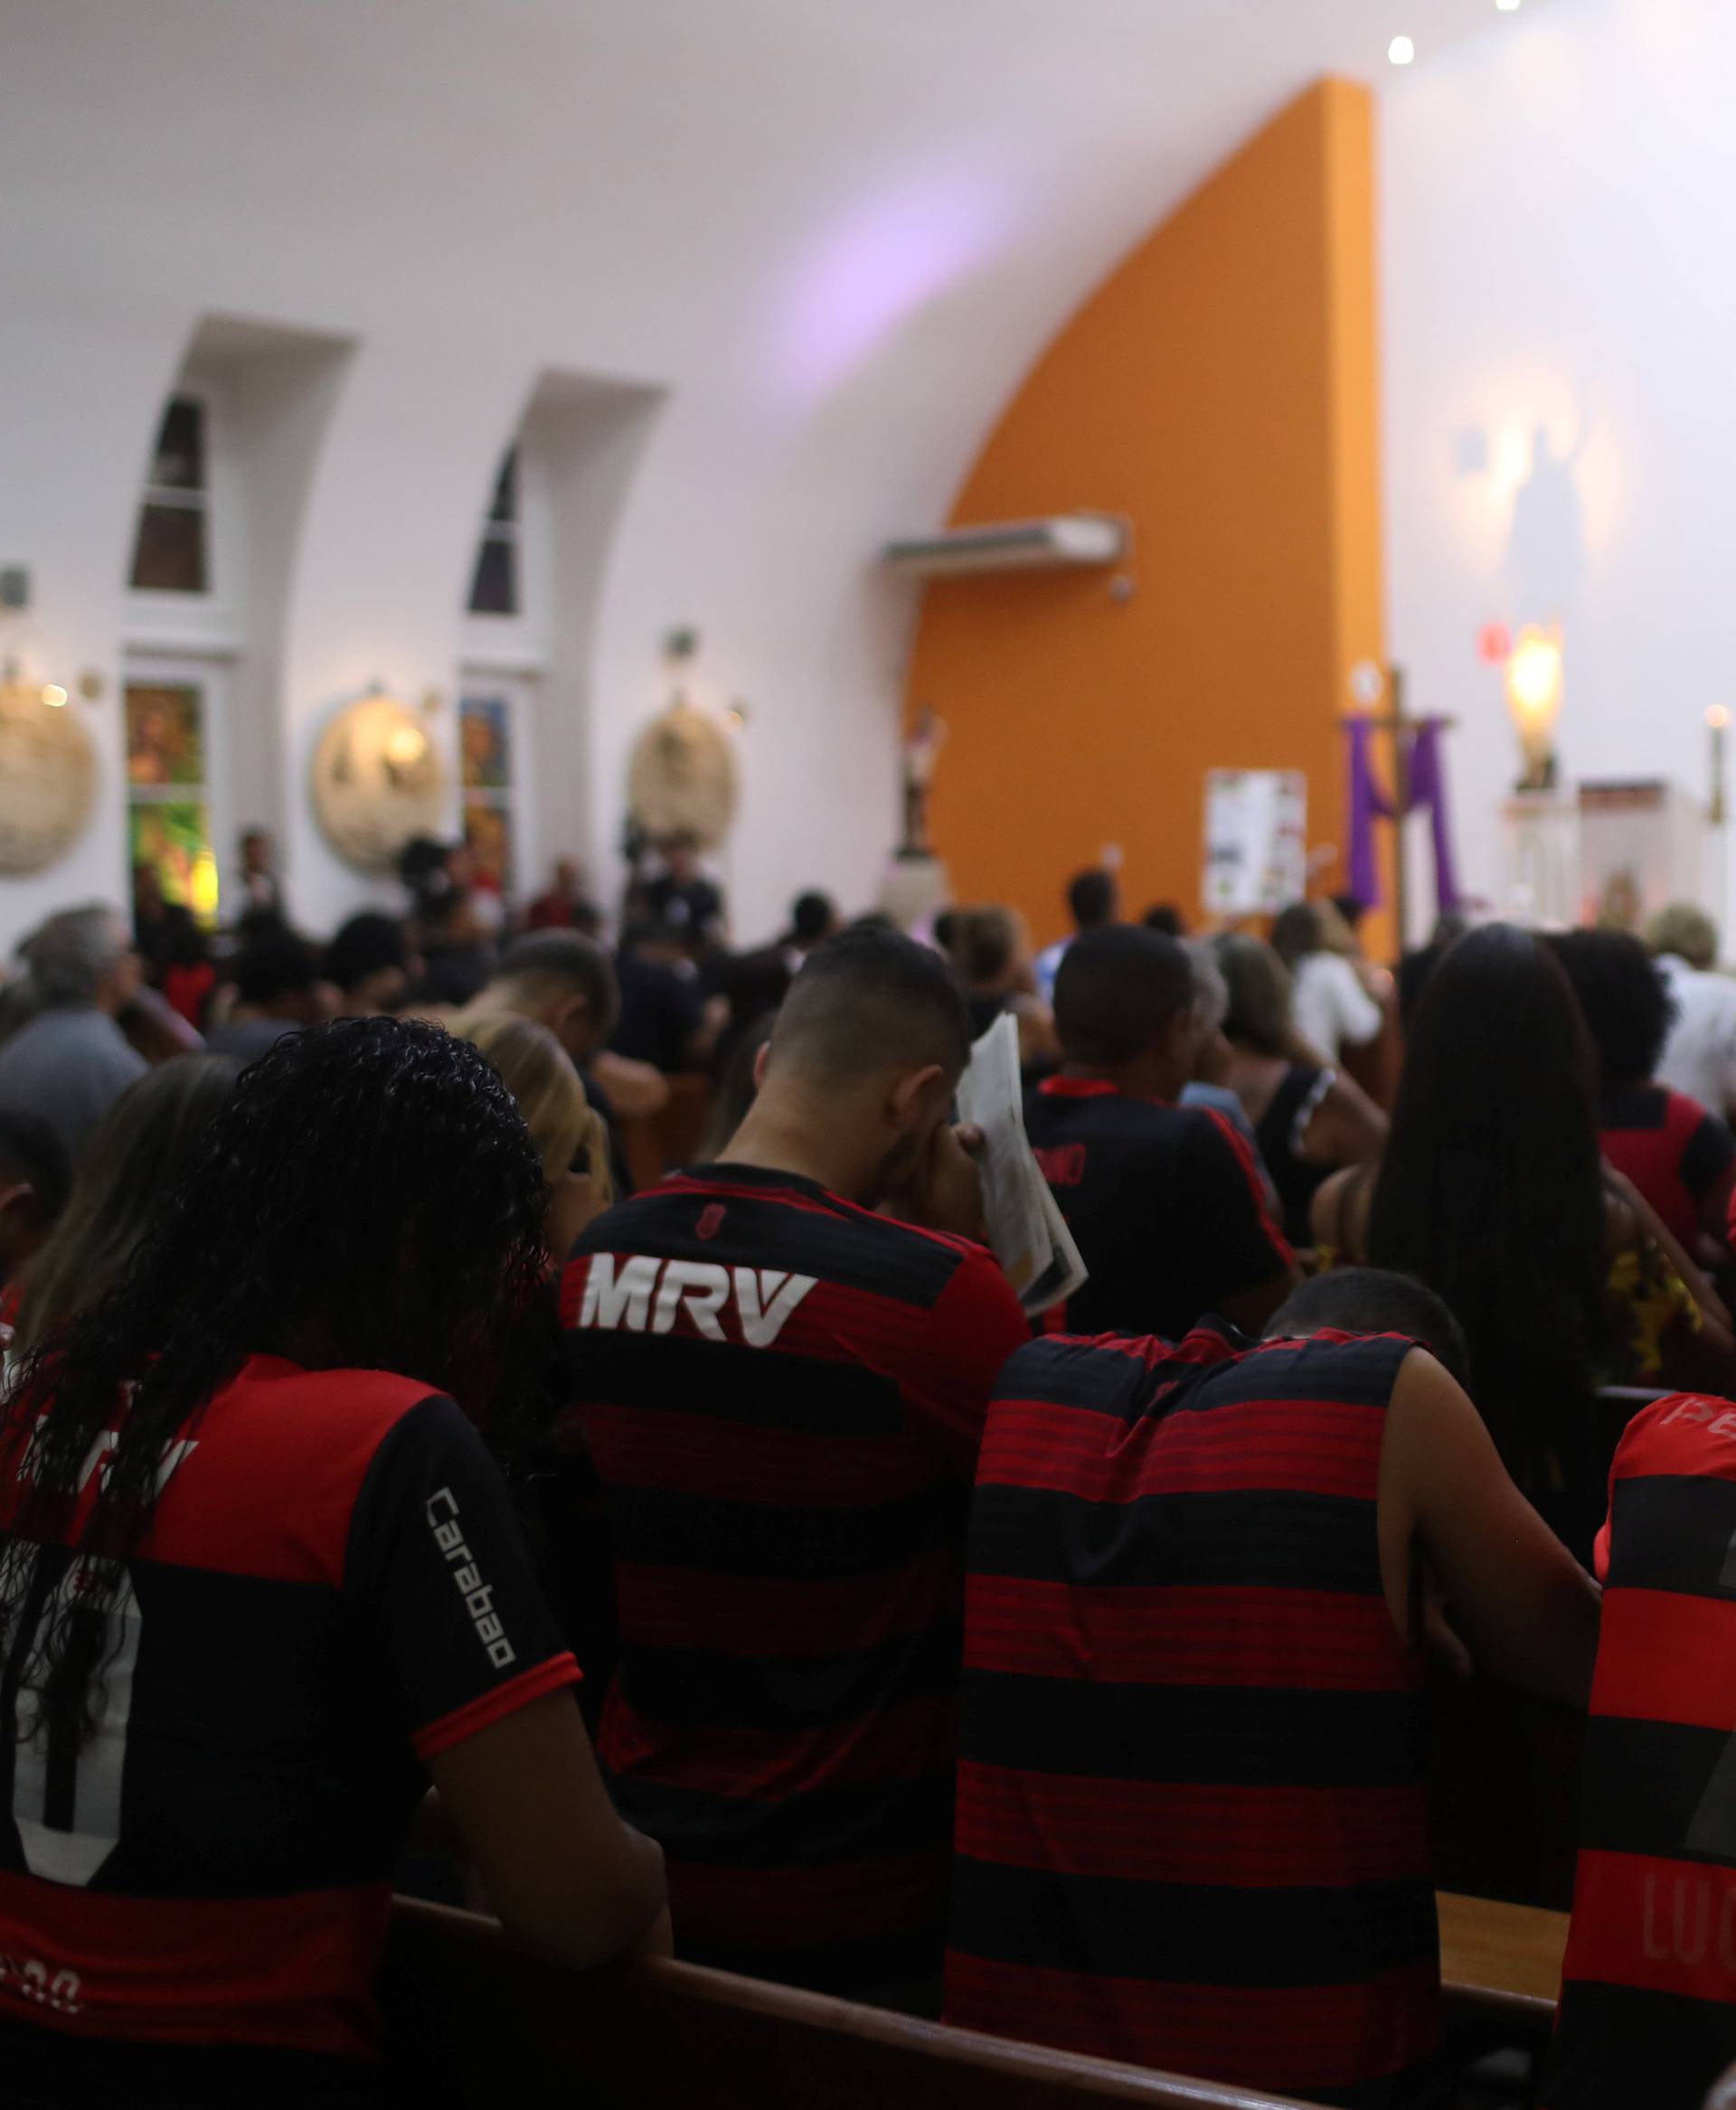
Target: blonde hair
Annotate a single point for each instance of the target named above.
(535, 1068)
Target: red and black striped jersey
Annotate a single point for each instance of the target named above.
(1192, 1827)
(331, 1587)
(1166, 1204)
(783, 1394)
(1675, 1152)
(1647, 2012)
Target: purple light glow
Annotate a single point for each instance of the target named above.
(885, 258)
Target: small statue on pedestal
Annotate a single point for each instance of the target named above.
(923, 747)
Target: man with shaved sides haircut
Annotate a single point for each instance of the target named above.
(784, 1392)
(1166, 1201)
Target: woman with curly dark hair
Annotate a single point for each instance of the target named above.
(258, 1573)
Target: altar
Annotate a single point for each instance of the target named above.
(1611, 852)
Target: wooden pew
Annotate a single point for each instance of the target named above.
(483, 2024)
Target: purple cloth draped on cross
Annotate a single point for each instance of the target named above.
(1369, 803)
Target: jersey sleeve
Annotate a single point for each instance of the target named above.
(437, 1563)
(976, 1324)
(1222, 1208)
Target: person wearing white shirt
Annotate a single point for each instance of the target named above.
(1329, 1000)
(1700, 1055)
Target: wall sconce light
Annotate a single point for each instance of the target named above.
(1533, 684)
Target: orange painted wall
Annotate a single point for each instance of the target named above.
(1220, 389)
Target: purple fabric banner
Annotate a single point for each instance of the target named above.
(1369, 803)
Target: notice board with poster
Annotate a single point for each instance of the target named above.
(1256, 840)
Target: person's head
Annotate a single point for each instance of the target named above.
(35, 1177)
(680, 853)
(563, 981)
(868, 1047)
(138, 1155)
(366, 1198)
(1490, 1188)
(84, 958)
(1211, 1003)
(368, 962)
(566, 1130)
(1625, 1000)
(1258, 1018)
(276, 975)
(659, 942)
(1296, 932)
(946, 930)
(1165, 918)
(1375, 1300)
(813, 918)
(1685, 931)
(1093, 899)
(255, 853)
(147, 891)
(987, 949)
(567, 875)
(1351, 909)
(1126, 1007)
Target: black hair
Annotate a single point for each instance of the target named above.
(987, 944)
(569, 956)
(137, 1155)
(272, 966)
(1627, 1003)
(368, 1197)
(871, 999)
(811, 917)
(1116, 989)
(31, 1151)
(368, 944)
(1165, 918)
(1375, 1300)
(1296, 932)
(1352, 907)
(1091, 899)
(946, 928)
(1491, 1188)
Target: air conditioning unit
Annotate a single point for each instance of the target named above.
(1012, 545)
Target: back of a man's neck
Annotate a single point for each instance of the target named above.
(779, 1140)
(1131, 1081)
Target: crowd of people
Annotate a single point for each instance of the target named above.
(1064, 1671)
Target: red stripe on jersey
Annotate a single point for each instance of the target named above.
(292, 1970)
(754, 1616)
(1243, 1636)
(1256, 1187)
(1165, 1832)
(1664, 1655)
(825, 1204)
(837, 1901)
(1273, 2037)
(775, 1468)
(1304, 1446)
(893, 1745)
(1663, 1925)
(1686, 1434)
(489, 1708)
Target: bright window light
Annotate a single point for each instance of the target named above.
(1508, 6)
(1402, 51)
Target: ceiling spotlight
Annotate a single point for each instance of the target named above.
(1508, 6)
(1402, 51)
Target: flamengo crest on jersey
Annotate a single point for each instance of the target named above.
(643, 1294)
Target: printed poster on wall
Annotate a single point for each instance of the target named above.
(1256, 840)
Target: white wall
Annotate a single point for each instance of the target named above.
(827, 236)
(1558, 226)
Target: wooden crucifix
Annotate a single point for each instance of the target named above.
(1387, 713)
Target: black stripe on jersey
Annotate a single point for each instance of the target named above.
(712, 1690)
(1108, 1382)
(675, 1375)
(1643, 1785)
(870, 1964)
(1190, 1934)
(1622, 2048)
(866, 1253)
(666, 1530)
(808, 1831)
(1258, 1537)
(1672, 1532)
(1708, 1150)
(1240, 1737)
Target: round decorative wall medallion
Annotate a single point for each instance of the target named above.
(48, 778)
(377, 782)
